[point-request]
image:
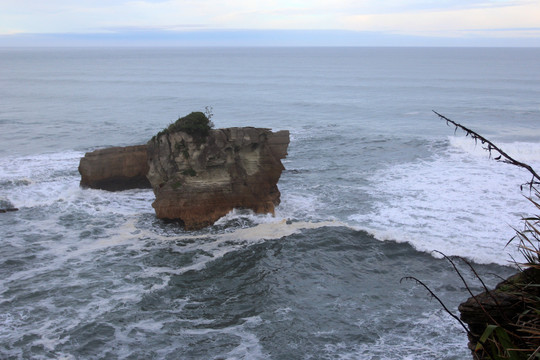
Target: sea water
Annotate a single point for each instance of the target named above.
(375, 186)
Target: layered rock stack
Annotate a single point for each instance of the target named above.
(200, 180)
(196, 178)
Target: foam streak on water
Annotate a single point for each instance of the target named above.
(457, 197)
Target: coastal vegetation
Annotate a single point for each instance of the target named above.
(197, 124)
(504, 323)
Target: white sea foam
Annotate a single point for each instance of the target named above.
(34, 180)
(521, 151)
(459, 202)
(419, 340)
(215, 245)
(52, 179)
(275, 230)
(246, 217)
(249, 346)
(298, 206)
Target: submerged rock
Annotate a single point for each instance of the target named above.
(198, 179)
(115, 168)
(6, 206)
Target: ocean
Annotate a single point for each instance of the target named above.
(375, 186)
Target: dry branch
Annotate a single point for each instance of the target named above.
(491, 146)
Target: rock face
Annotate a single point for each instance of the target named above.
(198, 180)
(505, 305)
(115, 168)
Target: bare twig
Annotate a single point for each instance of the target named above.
(534, 353)
(469, 333)
(486, 290)
(438, 300)
(490, 147)
(461, 276)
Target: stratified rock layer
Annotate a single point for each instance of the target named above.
(115, 168)
(198, 180)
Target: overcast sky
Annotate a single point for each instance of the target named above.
(492, 21)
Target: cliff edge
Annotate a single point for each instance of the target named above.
(513, 308)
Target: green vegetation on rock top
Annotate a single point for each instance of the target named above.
(195, 124)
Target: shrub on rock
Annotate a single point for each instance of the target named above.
(195, 124)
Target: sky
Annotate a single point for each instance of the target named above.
(271, 22)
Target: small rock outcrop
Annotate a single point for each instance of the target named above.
(115, 168)
(6, 206)
(198, 179)
(506, 306)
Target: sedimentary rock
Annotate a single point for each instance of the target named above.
(198, 180)
(115, 168)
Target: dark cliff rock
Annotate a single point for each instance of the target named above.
(507, 306)
(198, 180)
(115, 168)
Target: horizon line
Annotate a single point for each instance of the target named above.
(260, 38)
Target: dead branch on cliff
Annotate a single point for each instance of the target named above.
(419, 282)
(503, 156)
(433, 295)
(477, 276)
